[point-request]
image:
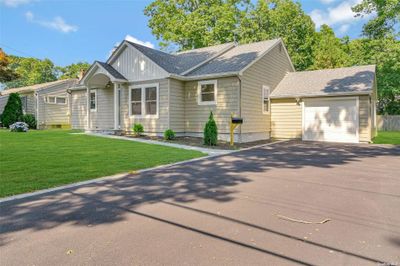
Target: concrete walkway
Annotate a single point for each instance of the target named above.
(175, 145)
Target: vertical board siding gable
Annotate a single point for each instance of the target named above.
(134, 66)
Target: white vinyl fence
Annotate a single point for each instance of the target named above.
(388, 122)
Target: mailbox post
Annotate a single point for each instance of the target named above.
(235, 121)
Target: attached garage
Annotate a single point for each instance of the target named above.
(331, 119)
(327, 105)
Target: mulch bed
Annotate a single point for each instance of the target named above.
(198, 142)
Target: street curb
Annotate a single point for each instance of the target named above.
(116, 176)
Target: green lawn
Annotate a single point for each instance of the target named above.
(387, 137)
(44, 159)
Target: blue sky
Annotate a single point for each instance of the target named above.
(68, 31)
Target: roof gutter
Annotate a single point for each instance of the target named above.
(321, 95)
(199, 77)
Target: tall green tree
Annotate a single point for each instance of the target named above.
(329, 51)
(198, 23)
(386, 21)
(73, 70)
(194, 23)
(284, 19)
(385, 54)
(31, 71)
(6, 73)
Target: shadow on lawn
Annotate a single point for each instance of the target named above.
(214, 179)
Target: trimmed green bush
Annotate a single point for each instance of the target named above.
(211, 131)
(30, 120)
(12, 111)
(137, 129)
(169, 134)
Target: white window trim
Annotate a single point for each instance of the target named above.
(95, 100)
(143, 91)
(262, 99)
(206, 82)
(46, 99)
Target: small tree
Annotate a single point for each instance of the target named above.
(12, 111)
(210, 131)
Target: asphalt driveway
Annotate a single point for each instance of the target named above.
(221, 211)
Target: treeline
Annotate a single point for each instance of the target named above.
(18, 71)
(187, 24)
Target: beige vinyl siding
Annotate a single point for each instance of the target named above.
(176, 105)
(268, 71)
(365, 119)
(227, 102)
(286, 119)
(52, 114)
(103, 117)
(30, 107)
(78, 109)
(151, 125)
(3, 102)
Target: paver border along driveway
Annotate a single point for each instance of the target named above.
(221, 211)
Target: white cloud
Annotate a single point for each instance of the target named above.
(339, 14)
(15, 3)
(344, 28)
(144, 43)
(130, 38)
(326, 2)
(58, 23)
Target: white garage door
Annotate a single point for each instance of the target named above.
(331, 119)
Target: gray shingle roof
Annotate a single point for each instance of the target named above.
(327, 82)
(235, 59)
(111, 70)
(180, 62)
(68, 83)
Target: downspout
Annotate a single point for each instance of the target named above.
(37, 110)
(240, 104)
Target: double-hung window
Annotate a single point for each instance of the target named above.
(151, 100)
(93, 100)
(207, 92)
(265, 99)
(143, 100)
(136, 101)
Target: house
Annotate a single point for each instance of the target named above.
(48, 102)
(255, 81)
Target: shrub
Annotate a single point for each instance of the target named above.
(137, 129)
(12, 111)
(169, 134)
(210, 132)
(30, 120)
(19, 127)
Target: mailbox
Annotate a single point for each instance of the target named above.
(237, 120)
